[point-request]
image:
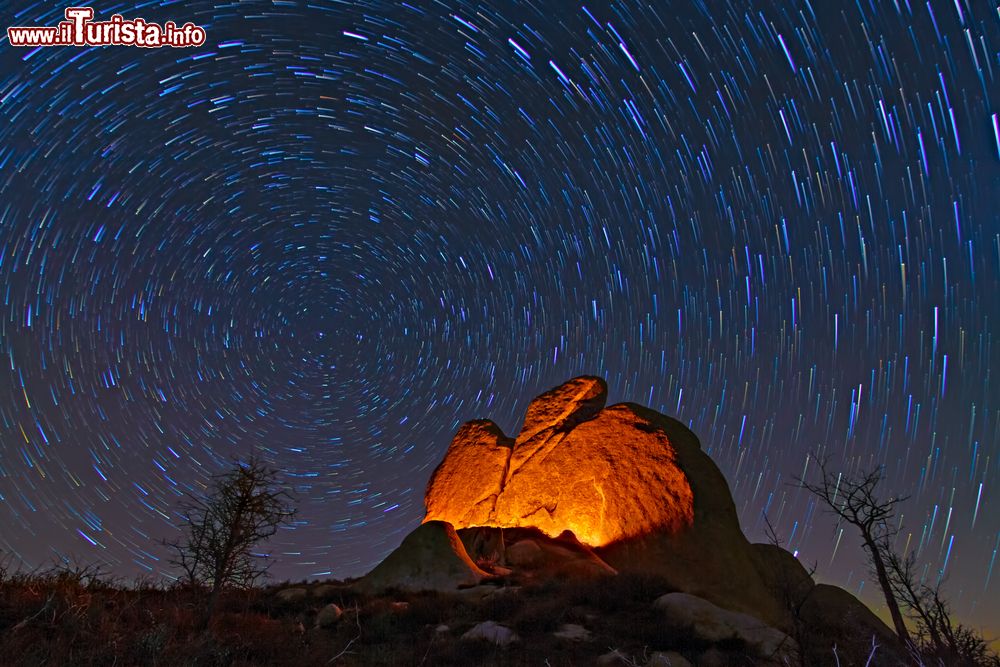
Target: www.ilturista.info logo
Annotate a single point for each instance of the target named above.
(79, 30)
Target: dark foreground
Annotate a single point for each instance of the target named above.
(75, 618)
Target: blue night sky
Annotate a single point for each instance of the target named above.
(338, 230)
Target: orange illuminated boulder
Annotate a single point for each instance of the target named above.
(629, 482)
(468, 481)
(598, 472)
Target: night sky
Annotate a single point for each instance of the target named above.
(338, 230)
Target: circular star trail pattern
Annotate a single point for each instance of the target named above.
(337, 230)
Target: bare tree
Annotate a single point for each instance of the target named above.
(855, 500)
(938, 638)
(241, 509)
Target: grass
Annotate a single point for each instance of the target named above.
(68, 616)
(76, 616)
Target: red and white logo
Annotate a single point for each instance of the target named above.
(79, 29)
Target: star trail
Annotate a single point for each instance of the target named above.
(338, 230)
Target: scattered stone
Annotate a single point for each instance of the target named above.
(573, 632)
(668, 659)
(292, 594)
(492, 632)
(442, 629)
(328, 616)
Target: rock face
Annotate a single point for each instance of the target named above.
(602, 474)
(833, 615)
(626, 480)
(432, 557)
(711, 558)
(711, 623)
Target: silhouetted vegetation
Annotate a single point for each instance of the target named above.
(69, 616)
(241, 509)
(856, 501)
(938, 639)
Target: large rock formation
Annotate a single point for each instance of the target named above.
(629, 481)
(590, 491)
(602, 474)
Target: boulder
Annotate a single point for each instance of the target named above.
(711, 558)
(626, 481)
(292, 594)
(572, 632)
(493, 633)
(710, 623)
(574, 466)
(782, 573)
(432, 557)
(328, 616)
(832, 615)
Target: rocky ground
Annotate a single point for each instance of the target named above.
(566, 619)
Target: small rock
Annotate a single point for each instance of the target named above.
(615, 657)
(442, 629)
(493, 633)
(668, 659)
(328, 616)
(292, 594)
(573, 632)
